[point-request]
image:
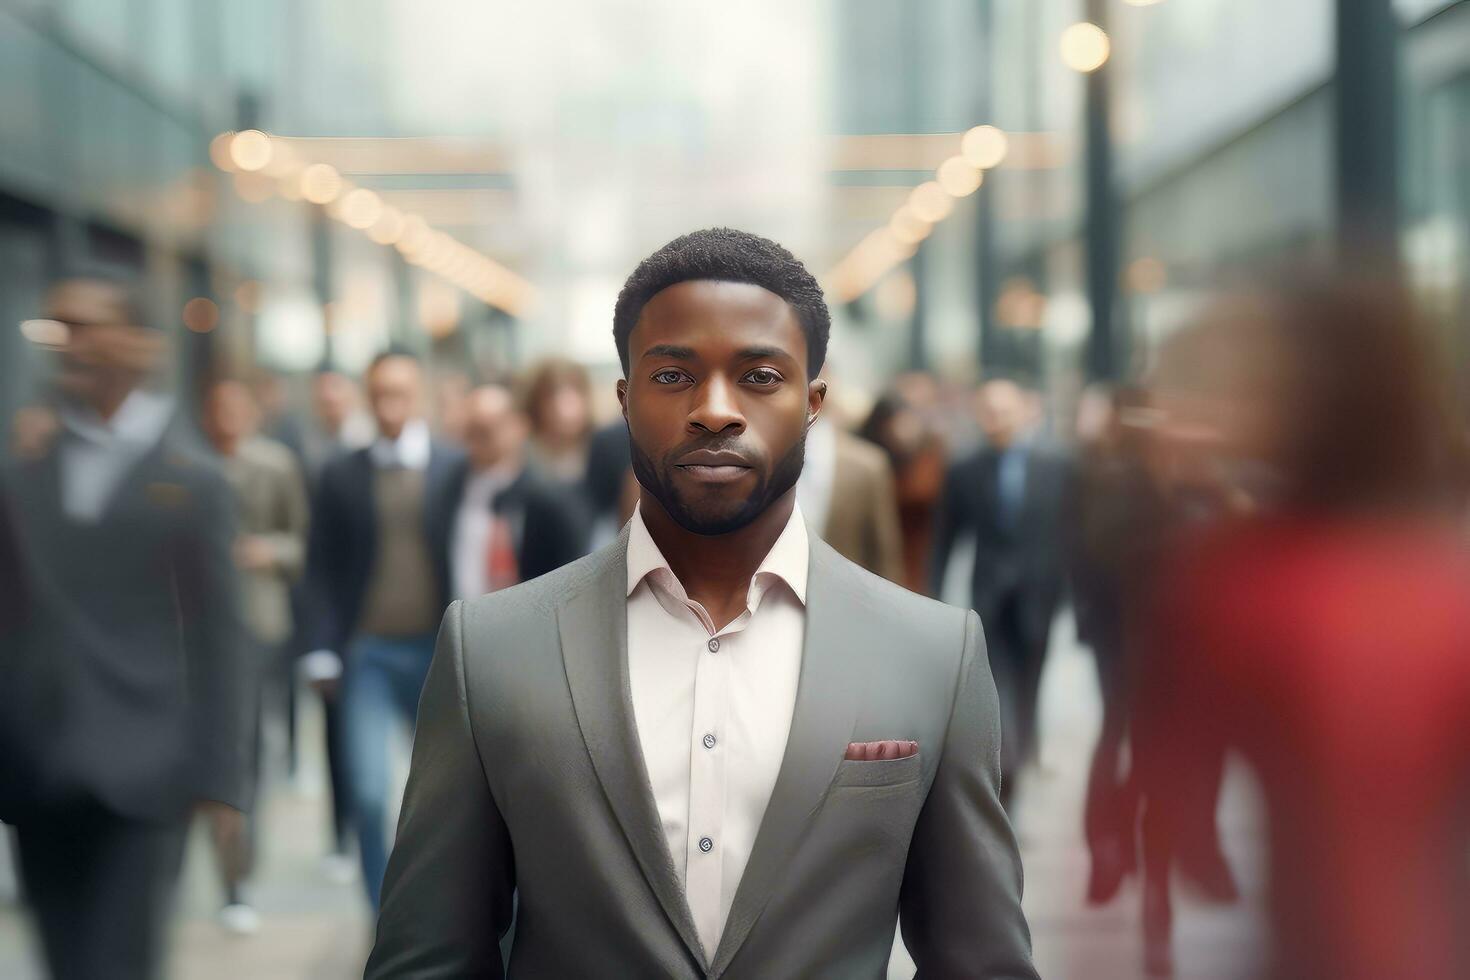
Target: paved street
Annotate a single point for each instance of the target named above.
(315, 929)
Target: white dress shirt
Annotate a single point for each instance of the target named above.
(97, 453)
(410, 450)
(473, 526)
(713, 710)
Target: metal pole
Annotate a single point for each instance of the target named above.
(1101, 233)
(1366, 153)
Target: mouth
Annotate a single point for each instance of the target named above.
(714, 473)
(714, 467)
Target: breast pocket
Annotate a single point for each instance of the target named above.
(880, 773)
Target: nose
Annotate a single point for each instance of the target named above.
(715, 408)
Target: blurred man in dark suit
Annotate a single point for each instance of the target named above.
(124, 691)
(379, 565)
(512, 524)
(338, 425)
(1010, 496)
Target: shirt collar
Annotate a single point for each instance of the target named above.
(410, 450)
(140, 419)
(483, 485)
(787, 560)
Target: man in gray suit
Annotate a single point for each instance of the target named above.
(714, 748)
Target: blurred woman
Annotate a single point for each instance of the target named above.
(916, 453)
(557, 397)
(1325, 634)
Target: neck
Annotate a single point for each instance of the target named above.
(226, 445)
(716, 569)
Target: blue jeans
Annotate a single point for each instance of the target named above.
(380, 692)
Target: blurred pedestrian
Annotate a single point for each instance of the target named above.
(512, 525)
(916, 458)
(1323, 632)
(1009, 497)
(125, 695)
(338, 423)
(610, 488)
(847, 495)
(379, 565)
(270, 553)
(557, 397)
(1113, 514)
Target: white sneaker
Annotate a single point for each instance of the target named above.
(339, 869)
(240, 919)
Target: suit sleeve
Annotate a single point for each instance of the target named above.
(221, 667)
(960, 905)
(447, 894)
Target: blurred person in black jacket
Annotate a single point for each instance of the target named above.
(337, 426)
(512, 524)
(124, 690)
(1010, 496)
(378, 568)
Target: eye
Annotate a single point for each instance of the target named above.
(764, 377)
(669, 376)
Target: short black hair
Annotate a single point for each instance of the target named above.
(726, 255)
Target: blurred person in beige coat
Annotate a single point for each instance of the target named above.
(847, 492)
(269, 551)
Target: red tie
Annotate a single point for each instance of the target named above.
(501, 569)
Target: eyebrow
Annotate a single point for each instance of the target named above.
(677, 353)
(761, 353)
(671, 351)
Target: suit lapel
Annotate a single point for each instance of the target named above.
(593, 623)
(821, 727)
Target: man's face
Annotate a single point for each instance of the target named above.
(230, 412)
(395, 392)
(1003, 412)
(105, 352)
(717, 402)
(494, 429)
(332, 396)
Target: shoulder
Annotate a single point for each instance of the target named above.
(441, 452)
(269, 454)
(188, 458)
(864, 457)
(346, 466)
(927, 630)
(533, 604)
(971, 462)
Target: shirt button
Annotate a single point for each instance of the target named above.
(706, 845)
(709, 741)
(714, 645)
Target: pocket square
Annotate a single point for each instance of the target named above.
(880, 751)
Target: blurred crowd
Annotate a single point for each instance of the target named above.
(1262, 538)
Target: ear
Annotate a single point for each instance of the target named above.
(623, 397)
(816, 395)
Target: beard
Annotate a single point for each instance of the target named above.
(714, 512)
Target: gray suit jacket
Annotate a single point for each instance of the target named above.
(528, 780)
